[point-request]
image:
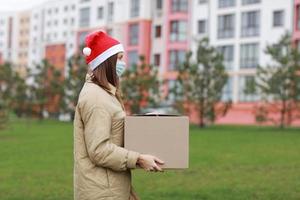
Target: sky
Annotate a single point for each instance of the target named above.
(14, 5)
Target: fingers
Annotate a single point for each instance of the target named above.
(154, 168)
(153, 164)
(149, 168)
(157, 168)
(159, 160)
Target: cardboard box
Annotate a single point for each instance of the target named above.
(165, 136)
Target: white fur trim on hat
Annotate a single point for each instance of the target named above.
(87, 51)
(106, 54)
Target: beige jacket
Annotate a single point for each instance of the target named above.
(101, 164)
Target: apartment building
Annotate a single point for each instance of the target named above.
(22, 27)
(162, 31)
(53, 33)
(6, 37)
(241, 30)
(127, 20)
(36, 48)
(296, 24)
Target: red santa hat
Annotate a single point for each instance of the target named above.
(99, 47)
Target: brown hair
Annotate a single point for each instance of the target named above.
(106, 73)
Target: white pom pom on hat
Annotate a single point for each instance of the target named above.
(87, 51)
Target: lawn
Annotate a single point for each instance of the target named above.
(226, 163)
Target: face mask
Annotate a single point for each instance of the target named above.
(120, 68)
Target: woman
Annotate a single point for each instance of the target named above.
(101, 164)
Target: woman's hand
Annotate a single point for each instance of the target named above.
(149, 162)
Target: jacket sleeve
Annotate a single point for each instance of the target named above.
(101, 151)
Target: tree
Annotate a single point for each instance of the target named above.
(74, 81)
(20, 94)
(279, 83)
(199, 84)
(13, 93)
(6, 81)
(55, 91)
(46, 89)
(140, 86)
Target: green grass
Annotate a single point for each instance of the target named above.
(226, 162)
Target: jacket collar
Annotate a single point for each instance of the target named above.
(88, 78)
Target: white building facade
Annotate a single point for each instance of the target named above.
(241, 30)
(161, 30)
(7, 34)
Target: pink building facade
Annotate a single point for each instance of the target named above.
(164, 30)
(296, 22)
(138, 43)
(177, 36)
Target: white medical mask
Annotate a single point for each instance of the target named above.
(120, 67)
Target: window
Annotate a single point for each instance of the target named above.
(179, 5)
(228, 55)
(84, 19)
(48, 37)
(157, 31)
(178, 30)
(244, 94)
(82, 1)
(246, 2)
(201, 26)
(202, 1)
(134, 8)
(250, 23)
(109, 31)
(157, 60)
(278, 18)
(159, 4)
(227, 90)
(176, 58)
(249, 55)
(133, 34)
(226, 3)
(226, 26)
(66, 8)
(298, 17)
(110, 12)
(100, 13)
(82, 36)
(133, 58)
